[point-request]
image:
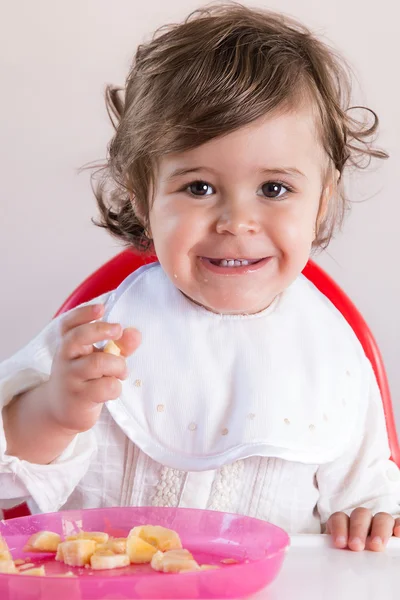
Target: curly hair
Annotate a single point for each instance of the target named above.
(222, 68)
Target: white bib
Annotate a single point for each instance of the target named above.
(206, 389)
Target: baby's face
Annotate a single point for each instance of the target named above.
(251, 197)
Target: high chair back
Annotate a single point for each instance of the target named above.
(110, 275)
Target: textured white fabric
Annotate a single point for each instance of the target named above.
(305, 428)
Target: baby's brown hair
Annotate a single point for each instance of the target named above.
(222, 68)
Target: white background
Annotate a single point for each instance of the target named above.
(55, 59)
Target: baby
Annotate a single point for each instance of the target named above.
(239, 386)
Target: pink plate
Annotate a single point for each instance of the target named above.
(259, 548)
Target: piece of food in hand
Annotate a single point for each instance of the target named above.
(37, 571)
(43, 541)
(76, 553)
(5, 553)
(160, 537)
(139, 551)
(174, 561)
(106, 559)
(7, 566)
(97, 536)
(112, 348)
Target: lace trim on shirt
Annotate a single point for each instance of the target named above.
(169, 488)
(226, 487)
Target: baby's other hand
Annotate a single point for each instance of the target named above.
(362, 530)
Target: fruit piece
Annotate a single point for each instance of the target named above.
(174, 561)
(19, 562)
(76, 553)
(116, 545)
(28, 565)
(209, 567)
(230, 561)
(5, 553)
(139, 551)
(161, 538)
(106, 559)
(7, 566)
(97, 536)
(43, 541)
(37, 571)
(111, 348)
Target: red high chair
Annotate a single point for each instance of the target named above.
(110, 275)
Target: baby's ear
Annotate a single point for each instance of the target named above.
(327, 193)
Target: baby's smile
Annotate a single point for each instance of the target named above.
(233, 266)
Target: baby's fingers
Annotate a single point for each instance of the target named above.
(360, 524)
(129, 341)
(80, 316)
(396, 529)
(381, 531)
(338, 527)
(102, 390)
(79, 341)
(97, 365)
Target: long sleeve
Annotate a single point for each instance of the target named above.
(48, 485)
(363, 475)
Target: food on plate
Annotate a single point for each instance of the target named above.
(43, 541)
(37, 571)
(97, 536)
(160, 537)
(76, 553)
(174, 561)
(7, 566)
(229, 561)
(139, 551)
(5, 554)
(146, 544)
(106, 559)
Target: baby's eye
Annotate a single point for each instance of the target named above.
(200, 188)
(273, 189)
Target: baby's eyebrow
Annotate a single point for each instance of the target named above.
(179, 172)
(283, 171)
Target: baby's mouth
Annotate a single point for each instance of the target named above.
(233, 262)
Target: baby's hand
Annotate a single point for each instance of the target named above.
(83, 378)
(361, 530)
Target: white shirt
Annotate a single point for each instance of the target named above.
(275, 415)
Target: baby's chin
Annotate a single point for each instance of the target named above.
(230, 306)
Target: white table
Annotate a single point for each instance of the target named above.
(313, 570)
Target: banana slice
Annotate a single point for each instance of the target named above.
(43, 541)
(38, 571)
(7, 566)
(5, 553)
(106, 559)
(97, 536)
(116, 545)
(76, 553)
(112, 348)
(139, 551)
(160, 537)
(174, 561)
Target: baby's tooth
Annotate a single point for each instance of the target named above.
(231, 263)
(224, 263)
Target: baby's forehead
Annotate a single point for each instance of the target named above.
(274, 140)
